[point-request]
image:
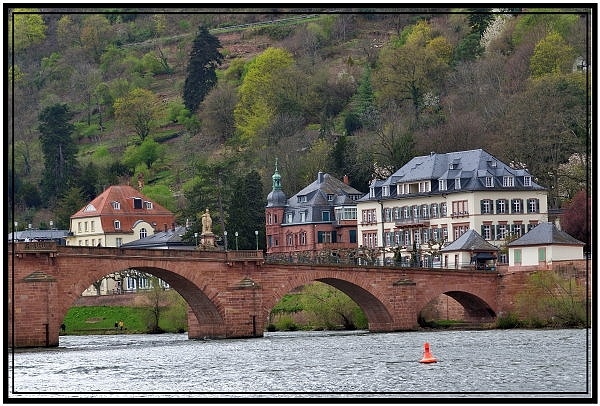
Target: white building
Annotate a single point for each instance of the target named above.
(543, 247)
(436, 198)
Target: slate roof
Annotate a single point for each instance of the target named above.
(470, 241)
(128, 216)
(169, 239)
(472, 167)
(38, 235)
(316, 196)
(545, 234)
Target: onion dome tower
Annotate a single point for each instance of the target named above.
(276, 198)
(276, 203)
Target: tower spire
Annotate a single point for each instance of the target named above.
(276, 178)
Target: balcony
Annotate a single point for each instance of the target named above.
(413, 222)
(458, 214)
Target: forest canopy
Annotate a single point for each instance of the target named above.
(348, 92)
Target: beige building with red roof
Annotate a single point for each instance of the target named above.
(119, 215)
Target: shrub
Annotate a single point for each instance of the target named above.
(508, 320)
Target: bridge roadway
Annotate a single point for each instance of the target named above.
(230, 294)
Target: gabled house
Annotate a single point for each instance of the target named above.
(434, 199)
(319, 217)
(544, 247)
(469, 250)
(118, 215)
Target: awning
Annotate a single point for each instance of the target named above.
(484, 256)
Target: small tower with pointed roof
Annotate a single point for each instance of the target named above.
(276, 203)
(276, 198)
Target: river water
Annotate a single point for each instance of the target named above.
(471, 363)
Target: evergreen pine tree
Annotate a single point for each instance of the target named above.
(59, 149)
(201, 76)
(247, 212)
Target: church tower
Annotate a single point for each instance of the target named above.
(276, 203)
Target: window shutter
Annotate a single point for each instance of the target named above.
(481, 206)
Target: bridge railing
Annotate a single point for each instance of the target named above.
(35, 246)
(359, 262)
(244, 255)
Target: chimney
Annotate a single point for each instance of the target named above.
(346, 180)
(173, 226)
(165, 227)
(320, 177)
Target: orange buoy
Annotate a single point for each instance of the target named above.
(427, 357)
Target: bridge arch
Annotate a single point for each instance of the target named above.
(476, 308)
(379, 317)
(204, 306)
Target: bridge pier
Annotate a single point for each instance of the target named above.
(34, 311)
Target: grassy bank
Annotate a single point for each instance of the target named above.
(83, 320)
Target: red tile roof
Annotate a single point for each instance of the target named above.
(125, 195)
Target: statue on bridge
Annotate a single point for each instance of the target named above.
(207, 240)
(206, 223)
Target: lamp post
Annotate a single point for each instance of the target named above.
(382, 231)
(236, 240)
(225, 238)
(256, 234)
(196, 237)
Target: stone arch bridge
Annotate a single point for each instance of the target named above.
(229, 294)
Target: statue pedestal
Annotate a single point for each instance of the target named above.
(207, 241)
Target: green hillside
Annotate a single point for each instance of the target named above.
(98, 97)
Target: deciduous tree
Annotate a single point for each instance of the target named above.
(412, 67)
(577, 217)
(552, 55)
(27, 27)
(139, 109)
(257, 94)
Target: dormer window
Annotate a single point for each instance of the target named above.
(508, 181)
(330, 197)
(137, 203)
(89, 207)
(302, 199)
(148, 205)
(443, 184)
(289, 218)
(116, 205)
(117, 225)
(385, 190)
(527, 181)
(302, 216)
(371, 192)
(424, 186)
(457, 183)
(489, 181)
